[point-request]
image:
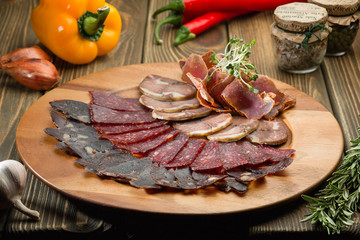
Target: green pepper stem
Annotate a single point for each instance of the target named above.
(175, 5)
(92, 23)
(184, 34)
(173, 18)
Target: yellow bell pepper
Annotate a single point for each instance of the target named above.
(77, 31)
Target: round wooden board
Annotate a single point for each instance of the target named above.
(316, 137)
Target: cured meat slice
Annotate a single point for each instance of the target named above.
(196, 66)
(216, 90)
(124, 128)
(188, 154)
(115, 102)
(208, 158)
(239, 128)
(146, 178)
(137, 136)
(141, 148)
(204, 126)
(231, 156)
(166, 89)
(169, 106)
(269, 132)
(231, 184)
(186, 114)
(166, 178)
(72, 109)
(166, 152)
(264, 84)
(62, 122)
(242, 100)
(101, 114)
(187, 179)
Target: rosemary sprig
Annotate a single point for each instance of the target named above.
(235, 61)
(334, 206)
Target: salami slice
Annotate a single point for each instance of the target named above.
(166, 89)
(188, 154)
(115, 102)
(169, 106)
(101, 114)
(166, 152)
(72, 109)
(137, 136)
(125, 128)
(208, 158)
(141, 148)
(231, 156)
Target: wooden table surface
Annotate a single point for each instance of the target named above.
(335, 84)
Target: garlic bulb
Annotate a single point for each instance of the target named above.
(12, 184)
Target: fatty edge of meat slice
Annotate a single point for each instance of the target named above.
(182, 115)
(205, 126)
(169, 106)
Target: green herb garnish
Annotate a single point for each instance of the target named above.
(235, 61)
(334, 205)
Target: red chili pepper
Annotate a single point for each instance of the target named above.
(222, 5)
(198, 25)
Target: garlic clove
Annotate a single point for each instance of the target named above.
(12, 184)
(37, 74)
(34, 52)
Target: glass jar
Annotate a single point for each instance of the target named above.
(344, 22)
(300, 34)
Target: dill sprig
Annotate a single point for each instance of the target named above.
(235, 61)
(334, 206)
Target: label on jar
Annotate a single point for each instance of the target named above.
(338, 7)
(299, 16)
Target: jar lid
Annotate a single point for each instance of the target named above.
(299, 16)
(338, 7)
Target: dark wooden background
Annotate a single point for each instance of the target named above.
(335, 84)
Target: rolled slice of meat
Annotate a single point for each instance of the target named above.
(239, 128)
(101, 114)
(169, 106)
(166, 89)
(124, 128)
(204, 126)
(269, 132)
(115, 102)
(196, 66)
(242, 100)
(186, 114)
(208, 158)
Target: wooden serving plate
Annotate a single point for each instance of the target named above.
(316, 137)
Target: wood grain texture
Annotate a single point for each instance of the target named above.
(318, 148)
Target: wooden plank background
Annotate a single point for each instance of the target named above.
(335, 84)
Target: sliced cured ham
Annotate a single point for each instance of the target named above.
(250, 104)
(115, 102)
(269, 132)
(169, 106)
(239, 128)
(101, 114)
(124, 128)
(166, 89)
(166, 152)
(208, 158)
(186, 114)
(188, 154)
(204, 126)
(137, 136)
(196, 66)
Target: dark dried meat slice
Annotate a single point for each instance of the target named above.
(231, 156)
(167, 151)
(188, 154)
(73, 109)
(169, 106)
(115, 102)
(204, 126)
(101, 114)
(125, 128)
(136, 136)
(231, 184)
(72, 134)
(146, 178)
(141, 148)
(269, 132)
(186, 114)
(208, 158)
(166, 89)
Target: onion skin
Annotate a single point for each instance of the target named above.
(37, 74)
(34, 52)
